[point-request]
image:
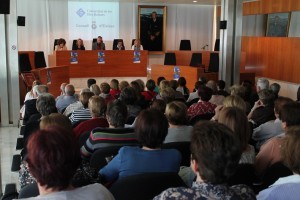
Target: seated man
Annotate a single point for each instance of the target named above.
(215, 155)
(263, 109)
(270, 152)
(64, 101)
(115, 135)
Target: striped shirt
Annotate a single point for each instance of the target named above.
(105, 137)
(80, 114)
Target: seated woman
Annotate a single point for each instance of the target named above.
(61, 45)
(79, 45)
(287, 187)
(237, 121)
(176, 113)
(151, 129)
(53, 157)
(215, 156)
(82, 113)
(97, 109)
(137, 45)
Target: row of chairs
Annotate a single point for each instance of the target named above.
(196, 60)
(185, 45)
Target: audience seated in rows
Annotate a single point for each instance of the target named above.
(270, 152)
(128, 96)
(115, 135)
(178, 131)
(271, 128)
(178, 95)
(221, 88)
(64, 101)
(151, 130)
(215, 156)
(97, 108)
(84, 112)
(54, 168)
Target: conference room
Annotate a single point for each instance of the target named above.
(234, 41)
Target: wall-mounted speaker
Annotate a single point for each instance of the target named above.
(223, 24)
(21, 21)
(4, 6)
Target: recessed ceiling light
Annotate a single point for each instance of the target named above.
(195, 1)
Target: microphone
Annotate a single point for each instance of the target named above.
(203, 48)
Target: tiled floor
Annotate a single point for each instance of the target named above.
(8, 138)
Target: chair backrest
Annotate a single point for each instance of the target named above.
(217, 45)
(213, 62)
(196, 60)
(132, 42)
(24, 63)
(55, 43)
(115, 43)
(183, 148)
(83, 138)
(94, 40)
(144, 186)
(244, 174)
(170, 59)
(185, 45)
(102, 156)
(28, 191)
(39, 59)
(74, 44)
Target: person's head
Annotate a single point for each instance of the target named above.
(123, 84)
(56, 119)
(235, 101)
(105, 88)
(97, 106)
(159, 79)
(53, 157)
(173, 84)
(84, 98)
(99, 39)
(69, 90)
(80, 42)
(182, 82)
(289, 114)
(151, 128)
(248, 89)
(164, 84)
(90, 82)
(137, 42)
(204, 93)
(261, 84)
(95, 89)
(136, 86)
(45, 104)
(120, 43)
(237, 121)
(114, 84)
(150, 85)
(116, 114)
(237, 90)
(279, 103)
(168, 94)
(36, 82)
(154, 15)
(266, 96)
(159, 104)
(275, 88)
(291, 149)
(176, 113)
(62, 88)
(212, 85)
(128, 96)
(197, 84)
(141, 84)
(215, 152)
(203, 79)
(61, 42)
(221, 84)
(39, 90)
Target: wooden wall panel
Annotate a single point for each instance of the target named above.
(276, 58)
(270, 6)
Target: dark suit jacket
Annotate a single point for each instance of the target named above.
(94, 46)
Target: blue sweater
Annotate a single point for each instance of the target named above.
(134, 160)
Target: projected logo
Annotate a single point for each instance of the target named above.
(94, 26)
(80, 12)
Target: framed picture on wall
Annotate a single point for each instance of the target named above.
(278, 24)
(152, 27)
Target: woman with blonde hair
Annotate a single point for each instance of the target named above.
(137, 45)
(79, 45)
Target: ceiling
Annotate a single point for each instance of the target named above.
(199, 2)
